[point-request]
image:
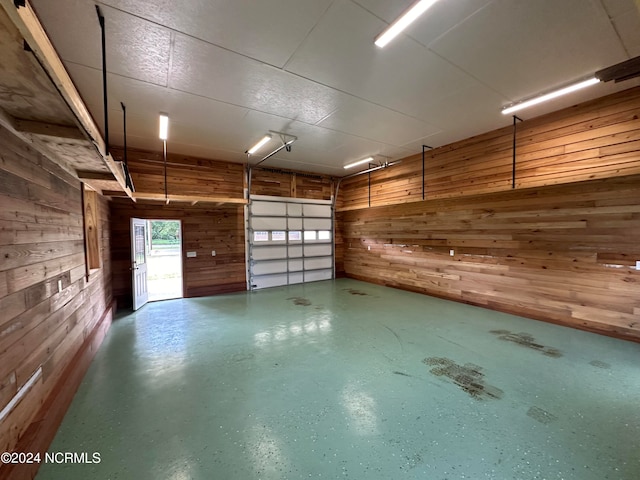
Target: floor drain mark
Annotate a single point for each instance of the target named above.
(526, 340)
(468, 377)
(541, 415)
(304, 302)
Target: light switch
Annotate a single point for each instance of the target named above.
(213, 253)
(59, 286)
(191, 254)
(452, 252)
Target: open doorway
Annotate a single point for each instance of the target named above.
(164, 260)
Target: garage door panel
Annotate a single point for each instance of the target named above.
(266, 281)
(273, 209)
(269, 252)
(313, 210)
(295, 223)
(269, 223)
(317, 275)
(268, 267)
(316, 263)
(317, 224)
(317, 250)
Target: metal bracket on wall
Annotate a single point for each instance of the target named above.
(513, 164)
(423, 184)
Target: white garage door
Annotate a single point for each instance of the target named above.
(289, 241)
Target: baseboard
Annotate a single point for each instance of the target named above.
(43, 428)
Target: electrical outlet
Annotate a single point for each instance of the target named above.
(637, 264)
(368, 247)
(191, 254)
(213, 253)
(452, 252)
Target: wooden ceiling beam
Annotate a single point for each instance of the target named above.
(27, 23)
(48, 129)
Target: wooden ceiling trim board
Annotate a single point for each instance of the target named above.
(27, 23)
(187, 198)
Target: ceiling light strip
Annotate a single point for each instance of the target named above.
(259, 145)
(359, 162)
(403, 21)
(550, 96)
(163, 131)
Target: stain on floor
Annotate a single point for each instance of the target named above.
(541, 415)
(526, 340)
(600, 364)
(468, 377)
(304, 302)
(401, 373)
(354, 291)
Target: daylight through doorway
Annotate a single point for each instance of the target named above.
(164, 278)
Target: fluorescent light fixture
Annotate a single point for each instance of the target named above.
(258, 145)
(164, 126)
(359, 162)
(549, 96)
(403, 21)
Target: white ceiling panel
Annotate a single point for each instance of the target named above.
(373, 122)
(628, 27)
(135, 48)
(203, 69)
(403, 76)
(522, 48)
(268, 31)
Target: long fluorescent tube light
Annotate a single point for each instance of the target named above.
(549, 96)
(403, 21)
(164, 126)
(359, 162)
(258, 145)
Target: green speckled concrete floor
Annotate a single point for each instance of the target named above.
(343, 379)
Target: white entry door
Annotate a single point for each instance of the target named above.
(289, 241)
(139, 262)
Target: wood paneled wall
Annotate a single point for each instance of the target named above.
(204, 177)
(49, 310)
(204, 228)
(560, 247)
(596, 139)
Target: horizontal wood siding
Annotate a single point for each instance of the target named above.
(185, 175)
(564, 253)
(42, 246)
(596, 139)
(204, 228)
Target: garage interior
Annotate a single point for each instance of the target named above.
(462, 303)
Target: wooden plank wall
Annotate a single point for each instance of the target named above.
(204, 228)
(196, 176)
(281, 183)
(564, 253)
(185, 175)
(41, 245)
(560, 247)
(596, 139)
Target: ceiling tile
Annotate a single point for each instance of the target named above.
(203, 69)
(268, 31)
(403, 77)
(522, 48)
(373, 122)
(135, 48)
